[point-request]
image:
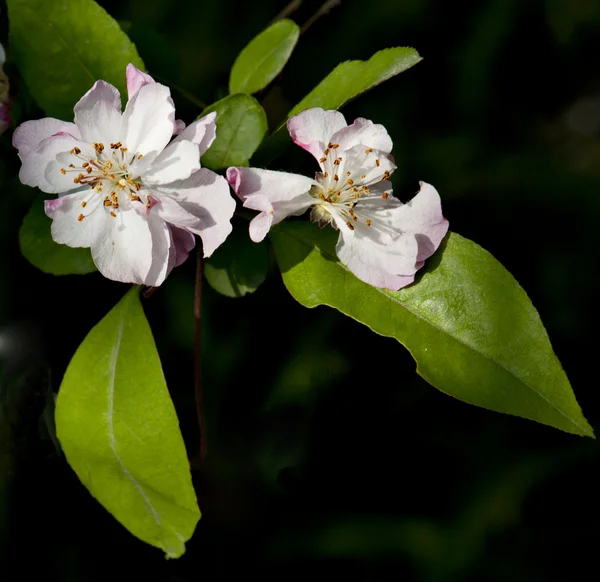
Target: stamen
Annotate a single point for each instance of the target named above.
(368, 222)
(63, 171)
(350, 225)
(350, 181)
(83, 204)
(386, 175)
(336, 177)
(75, 151)
(322, 159)
(377, 163)
(385, 195)
(99, 147)
(368, 151)
(80, 217)
(115, 146)
(113, 214)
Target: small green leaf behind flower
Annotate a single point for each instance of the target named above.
(239, 266)
(63, 48)
(241, 127)
(37, 246)
(264, 57)
(118, 429)
(345, 82)
(468, 324)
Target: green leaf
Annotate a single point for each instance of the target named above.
(63, 48)
(239, 266)
(346, 81)
(118, 429)
(469, 325)
(264, 57)
(241, 126)
(42, 252)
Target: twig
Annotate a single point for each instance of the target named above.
(325, 9)
(197, 355)
(289, 9)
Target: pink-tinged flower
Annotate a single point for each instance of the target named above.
(382, 241)
(125, 188)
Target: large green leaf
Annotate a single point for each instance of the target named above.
(469, 325)
(346, 81)
(238, 266)
(118, 429)
(63, 48)
(241, 126)
(264, 57)
(42, 252)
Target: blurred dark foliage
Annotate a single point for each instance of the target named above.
(328, 455)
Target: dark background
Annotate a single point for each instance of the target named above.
(328, 455)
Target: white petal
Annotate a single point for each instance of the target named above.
(98, 114)
(30, 134)
(135, 249)
(389, 266)
(201, 204)
(201, 132)
(423, 217)
(260, 226)
(59, 181)
(35, 166)
(312, 129)
(177, 162)
(363, 132)
(366, 165)
(136, 79)
(278, 194)
(148, 119)
(68, 226)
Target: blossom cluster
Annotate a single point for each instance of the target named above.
(131, 188)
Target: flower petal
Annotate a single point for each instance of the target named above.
(36, 163)
(260, 226)
(148, 119)
(68, 226)
(98, 114)
(390, 266)
(365, 165)
(183, 241)
(201, 132)
(312, 129)
(201, 204)
(30, 134)
(57, 173)
(134, 249)
(177, 162)
(136, 79)
(363, 132)
(178, 126)
(423, 217)
(279, 194)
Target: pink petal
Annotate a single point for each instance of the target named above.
(277, 194)
(260, 226)
(313, 128)
(68, 228)
(201, 132)
(136, 79)
(423, 217)
(363, 132)
(98, 114)
(148, 119)
(176, 162)
(201, 204)
(183, 241)
(29, 135)
(134, 249)
(178, 126)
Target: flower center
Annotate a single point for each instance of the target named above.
(108, 174)
(341, 188)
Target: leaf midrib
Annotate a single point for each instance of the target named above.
(438, 328)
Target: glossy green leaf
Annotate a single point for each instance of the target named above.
(264, 57)
(118, 429)
(469, 325)
(241, 126)
(346, 81)
(42, 252)
(239, 266)
(63, 48)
